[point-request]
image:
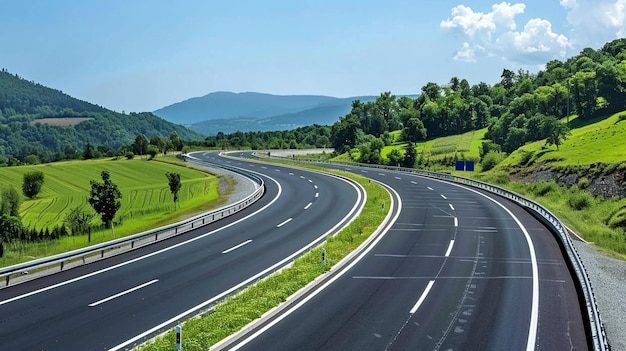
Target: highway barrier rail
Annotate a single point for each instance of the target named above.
(596, 330)
(48, 265)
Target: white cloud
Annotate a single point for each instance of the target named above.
(494, 33)
(466, 54)
(595, 22)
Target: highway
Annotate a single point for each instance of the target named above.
(121, 301)
(459, 270)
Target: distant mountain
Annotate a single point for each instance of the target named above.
(37, 120)
(230, 112)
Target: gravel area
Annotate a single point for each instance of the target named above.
(608, 280)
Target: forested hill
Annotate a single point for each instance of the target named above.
(37, 120)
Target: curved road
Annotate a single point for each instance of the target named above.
(459, 270)
(117, 302)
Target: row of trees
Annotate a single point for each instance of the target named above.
(104, 197)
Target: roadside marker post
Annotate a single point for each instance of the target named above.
(179, 337)
(323, 256)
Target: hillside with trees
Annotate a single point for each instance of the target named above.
(25, 107)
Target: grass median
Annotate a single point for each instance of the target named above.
(235, 312)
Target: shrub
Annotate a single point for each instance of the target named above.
(544, 188)
(491, 159)
(618, 220)
(579, 200)
(583, 183)
(129, 155)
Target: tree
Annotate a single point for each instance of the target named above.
(410, 156)
(175, 141)
(173, 179)
(79, 222)
(105, 199)
(555, 131)
(33, 181)
(140, 145)
(153, 150)
(89, 152)
(159, 142)
(395, 157)
(414, 130)
(10, 205)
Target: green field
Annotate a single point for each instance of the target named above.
(146, 198)
(599, 140)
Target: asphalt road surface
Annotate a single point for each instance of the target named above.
(118, 302)
(459, 270)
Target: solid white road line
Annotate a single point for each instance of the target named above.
(283, 223)
(122, 293)
(450, 248)
(243, 283)
(423, 297)
(280, 191)
(307, 206)
(237, 246)
(451, 207)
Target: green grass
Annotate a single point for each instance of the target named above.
(601, 141)
(146, 199)
(237, 311)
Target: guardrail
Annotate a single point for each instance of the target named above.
(52, 264)
(597, 331)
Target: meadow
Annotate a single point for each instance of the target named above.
(146, 199)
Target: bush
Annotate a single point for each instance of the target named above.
(544, 188)
(491, 159)
(129, 155)
(579, 200)
(583, 183)
(618, 220)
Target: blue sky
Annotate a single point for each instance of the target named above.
(137, 55)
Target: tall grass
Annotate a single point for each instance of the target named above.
(237, 311)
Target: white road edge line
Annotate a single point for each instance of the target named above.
(122, 293)
(237, 246)
(423, 297)
(280, 190)
(316, 291)
(285, 222)
(534, 309)
(243, 283)
(307, 206)
(450, 248)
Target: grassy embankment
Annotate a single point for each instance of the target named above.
(594, 147)
(237, 311)
(146, 199)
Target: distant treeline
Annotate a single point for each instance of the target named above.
(22, 102)
(521, 108)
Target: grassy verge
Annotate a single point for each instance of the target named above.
(237, 311)
(592, 218)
